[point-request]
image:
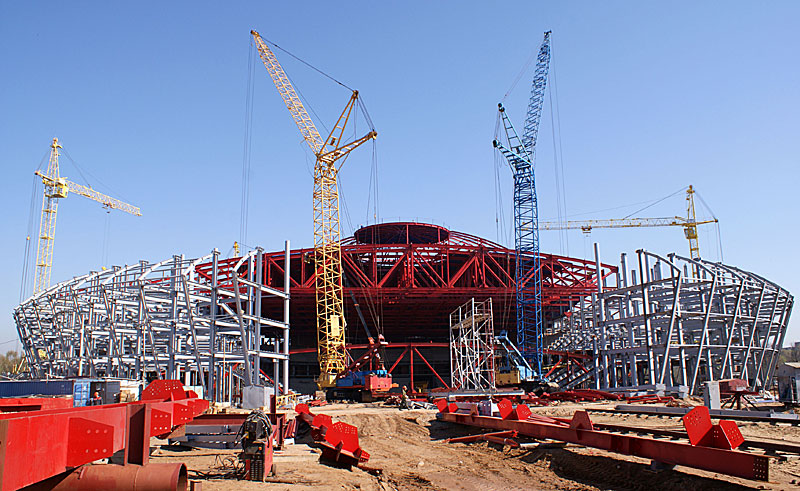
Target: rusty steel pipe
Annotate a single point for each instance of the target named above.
(111, 477)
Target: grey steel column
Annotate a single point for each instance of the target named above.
(602, 358)
(772, 362)
(173, 287)
(286, 284)
(212, 341)
(258, 280)
(644, 273)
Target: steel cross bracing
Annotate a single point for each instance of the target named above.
(472, 346)
(662, 324)
(327, 251)
(198, 320)
(520, 155)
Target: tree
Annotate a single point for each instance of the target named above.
(10, 362)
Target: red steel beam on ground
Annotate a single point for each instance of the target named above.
(17, 404)
(581, 432)
(36, 445)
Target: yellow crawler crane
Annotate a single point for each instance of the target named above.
(55, 188)
(327, 251)
(689, 224)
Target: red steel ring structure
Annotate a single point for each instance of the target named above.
(407, 277)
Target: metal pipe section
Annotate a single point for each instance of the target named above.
(111, 477)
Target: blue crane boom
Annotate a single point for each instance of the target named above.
(520, 155)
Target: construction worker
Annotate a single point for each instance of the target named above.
(404, 399)
(95, 400)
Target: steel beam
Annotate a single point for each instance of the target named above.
(581, 431)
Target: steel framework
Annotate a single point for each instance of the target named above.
(666, 324)
(472, 346)
(199, 320)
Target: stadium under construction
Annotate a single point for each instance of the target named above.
(224, 322)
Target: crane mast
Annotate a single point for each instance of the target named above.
(55, 188)
(690, 227)
(520, 155)
(47, 224)
(330, 155)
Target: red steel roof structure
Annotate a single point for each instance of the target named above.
(407, 278)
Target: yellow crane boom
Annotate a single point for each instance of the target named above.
(55, 188)
(327, 251)
(689, 224)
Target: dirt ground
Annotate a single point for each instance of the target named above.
(410, 448)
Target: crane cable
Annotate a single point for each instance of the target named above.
(96, 179)
(558, 157)
(244, 205)
(106, 237)
(372, 198)
(360, 103)
(27, 259)
(716, 226)
(522, 72)
(307, 64)
(655, 202)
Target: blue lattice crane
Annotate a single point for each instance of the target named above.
(520, 154)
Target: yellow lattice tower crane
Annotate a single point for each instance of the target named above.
(689, 224)
(327, 251)
(55, 188)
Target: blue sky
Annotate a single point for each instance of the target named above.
(149, 97)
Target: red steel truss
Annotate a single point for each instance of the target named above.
(411, 275)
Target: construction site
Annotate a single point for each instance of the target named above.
(408, 354)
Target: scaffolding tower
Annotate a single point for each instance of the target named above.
(472, 346)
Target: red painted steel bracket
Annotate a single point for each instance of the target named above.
(339, 440)
(581, 421)
(446, 407)
(702, 432)
(507, 410)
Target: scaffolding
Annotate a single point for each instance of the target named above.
(472, 347)
(197, 320)
(673, 323)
